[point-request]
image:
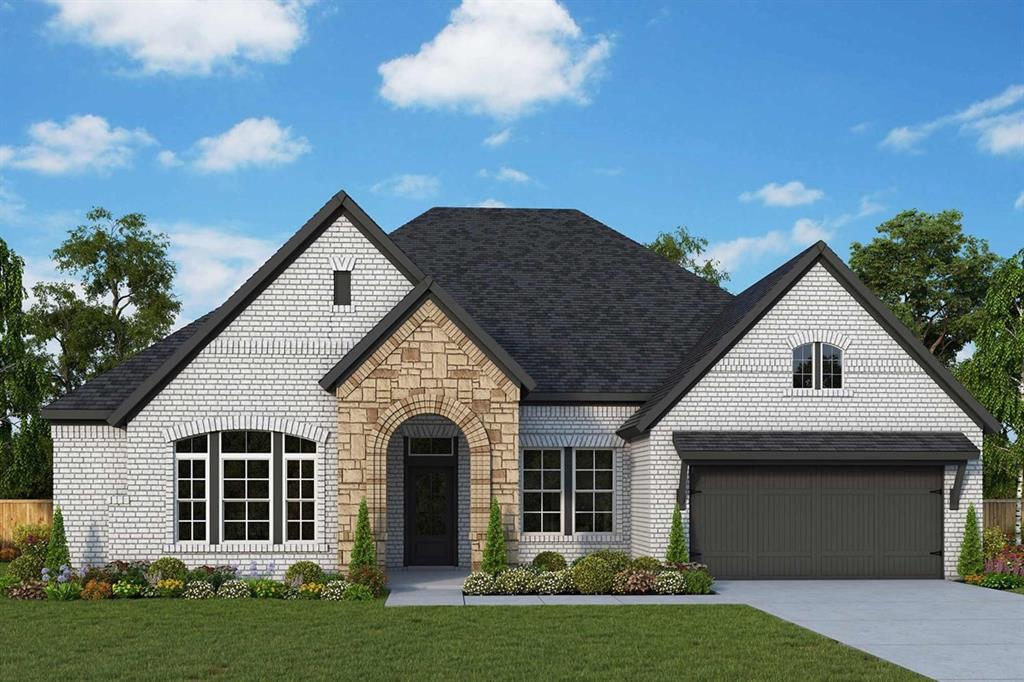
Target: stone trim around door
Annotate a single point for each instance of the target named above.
(427, 366)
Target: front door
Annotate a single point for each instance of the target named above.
(430, 520)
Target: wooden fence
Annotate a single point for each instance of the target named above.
(13, 513)
(1001, 514)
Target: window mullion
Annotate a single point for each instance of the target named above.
(277, 487)
(817, 365)
(213, 489)
(567, 484)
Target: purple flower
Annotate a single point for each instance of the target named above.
(46, 575)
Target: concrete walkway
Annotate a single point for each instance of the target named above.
(426, 586)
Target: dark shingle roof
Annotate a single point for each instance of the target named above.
(778, 444)
(581, 307)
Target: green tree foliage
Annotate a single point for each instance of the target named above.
(686, 251)
(931, 274)
(57, 554)
(678, 552)
(364, 552)
(126, 278)
(26, 453)
(972, 561)
(495, 552)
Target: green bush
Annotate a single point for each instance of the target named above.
(334, 590)
(371, 577)
(698, 582)
(199, 589)
(972, 561)
(215, 576)
(234, 589)
(670, 582)
(126, 589)
(364, 551)
(33, 539)
(168, 568)
(495, 553)
(646, 563)
(356, 592)
(619, 561)
(634, 581)
(553, 582)
(592, 575)
(302, 572)
(8, 580)
(57, 554)
(264, 588)
(26, 567)
(678, 552)
(1002, 581)
(68, 591)
(517, 580)
(549, 561)
(994, 541)
(478, 583)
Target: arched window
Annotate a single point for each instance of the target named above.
(831, 366)
(817, 365)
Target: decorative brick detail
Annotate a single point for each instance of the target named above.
(427, 366)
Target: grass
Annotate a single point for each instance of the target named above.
(177, 639)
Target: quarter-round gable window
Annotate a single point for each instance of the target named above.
(817, 365)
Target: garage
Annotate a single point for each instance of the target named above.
(805, 505)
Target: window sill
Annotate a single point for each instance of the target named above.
(246, 548)
(562, 538)
(823, 393)
(342, 308)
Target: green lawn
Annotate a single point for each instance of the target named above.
(176, 639)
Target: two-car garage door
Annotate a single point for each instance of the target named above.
(795, 521)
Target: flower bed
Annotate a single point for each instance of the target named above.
(603, 572)
(1003, 571)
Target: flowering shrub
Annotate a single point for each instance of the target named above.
(32, 539)
(334, 590)
(126, 589)
(1009, 560)
(26, 567)
(478, 583)
(549, 561)
(96, 590)
(514, 581)
(553, 582)
(234, 589)
(214, 575)
(633, 581)
(993, 541)
(170, 587)
(670, 582)
(199, 589)
(167, 568)
(357, 592)
(304, 572)
(290, 592)
(370, 576)
(592, 575)
(265, 588)
(28, 590)
(974, 579)
(310, 590)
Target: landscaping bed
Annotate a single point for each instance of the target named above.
(1003, 564)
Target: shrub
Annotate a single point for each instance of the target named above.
(971, 559)
(8, 554)
(304, 572)
(199, 589)
(670, 582)
(214, 575)
(478, 583)
(517, 580)
(993, 542)
(356, 592)
(553, 582)
(974, 579)
(234, 589)
(646, 563)
(126, 589)
(371, 577)
(133, 572)
(8, 581)
(364, 550)
(1002, 581)
(57, 548)
(618, 561)
(1010, 560)
(32, 538)
(334, 590)
(28, 590)
(592, 575)
(168, 568)
(633, 581)
(97, 590)
(677, 552)
(549, 561)
(264, 588)
(495, 553)
(169, 587)
(148, 592)
(698, 581)
(311, 590)
(63, 591)
(26, 567)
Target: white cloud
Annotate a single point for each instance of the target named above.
(735, 252)
(168, 159)
(860, 128)
(409, 186)
(996, 134)
(505, 174)
(870, 204)
(499, 138)
(793, 193)
(186, 37)
(253, 142)
(498, 58)
(1019, 204)
(491, 203)
(82, 143)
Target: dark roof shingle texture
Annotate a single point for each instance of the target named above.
(924, 442)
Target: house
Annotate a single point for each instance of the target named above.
(540, 358)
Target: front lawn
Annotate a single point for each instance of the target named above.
(268, 639)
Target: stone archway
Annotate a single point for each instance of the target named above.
(427, 366)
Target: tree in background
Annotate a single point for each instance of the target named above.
(126, 276)
(995, 375)
(686, 251)
(931, 274)
(26, 453)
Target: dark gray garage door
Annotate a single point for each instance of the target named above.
(760, 521)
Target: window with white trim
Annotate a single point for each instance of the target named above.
(594, 503)
(245, 467)
(191, 494)
(542, 491)
(300, 489)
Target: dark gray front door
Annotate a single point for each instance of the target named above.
(430, 522)
(769, 521)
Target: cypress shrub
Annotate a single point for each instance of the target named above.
(678, 552)
(972, 560)
(495, 552)
(57, 551)
(364, 553)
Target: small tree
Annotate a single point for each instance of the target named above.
(495, 552)
(972, 561)
(678, 552)
(57, 554)
(364, 553)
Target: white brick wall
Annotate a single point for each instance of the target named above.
(264, 365)
(749, 389)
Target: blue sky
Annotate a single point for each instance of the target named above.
(762, 127)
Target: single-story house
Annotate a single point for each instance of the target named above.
(542, 359)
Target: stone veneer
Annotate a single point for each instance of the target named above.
(427, 366)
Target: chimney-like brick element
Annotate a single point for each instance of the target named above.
(428, 366)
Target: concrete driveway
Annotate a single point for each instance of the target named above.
(945, 630)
